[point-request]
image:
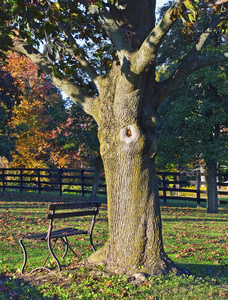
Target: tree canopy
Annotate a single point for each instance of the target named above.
(83, 37)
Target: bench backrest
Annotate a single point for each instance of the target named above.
(91, 209)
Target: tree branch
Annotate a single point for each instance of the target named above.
(81, 57)
(116, 34)
(65, 85)
(147, 53)
(173, 83)
(209, 29)
(192, 62)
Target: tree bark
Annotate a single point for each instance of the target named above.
(135, 236)
(211, 181)
(128, 147)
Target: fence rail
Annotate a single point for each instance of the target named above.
(189, 186)
(49, 180)
(177, 186)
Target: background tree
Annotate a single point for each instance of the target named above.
(76, 138)
(192, 121)
(122, 95)
(47, 131)
(192, 126)
(38, 113)
(10, 95)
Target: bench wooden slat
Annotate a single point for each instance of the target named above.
(67, 232)
(71, 214)
(59, 206)
(56, 233)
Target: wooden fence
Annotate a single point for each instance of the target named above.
(50, 180)
(176, 186)
(189, 186)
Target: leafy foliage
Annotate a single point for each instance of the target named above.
(40, 21)
(193, 121)
(76, 138)
(10, 95)
(39, 111)
(47, 132)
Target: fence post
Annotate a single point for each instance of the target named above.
(198, 188)
(60, 181)
(82, 183)
(21, 180)
(39, 184)
(3, 180)
(164, 188)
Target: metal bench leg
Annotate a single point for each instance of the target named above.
(25, 255)
(43, 267)
(49, 254)
(53, 255)
(91, 242)
(64, 239)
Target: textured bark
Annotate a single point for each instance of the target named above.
(126, 125)
(212, 193)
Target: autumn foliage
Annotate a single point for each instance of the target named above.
(46, 133)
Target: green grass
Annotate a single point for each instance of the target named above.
(193, 239)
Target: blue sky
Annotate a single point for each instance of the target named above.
(161, 2)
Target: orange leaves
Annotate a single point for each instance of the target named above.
(189, 251)
(31, 117)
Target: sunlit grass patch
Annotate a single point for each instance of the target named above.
(193, 239)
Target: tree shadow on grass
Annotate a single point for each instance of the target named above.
(215, 272)
(192, 220)
(17, 288)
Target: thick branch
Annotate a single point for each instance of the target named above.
(147, 53)
(116, 34)
(209, 29)
(172, 84)
(65, 85)
(192, 62)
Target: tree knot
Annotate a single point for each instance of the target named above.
(129, 134)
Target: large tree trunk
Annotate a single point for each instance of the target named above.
(212, 192)
(127, 147)
(135, 239)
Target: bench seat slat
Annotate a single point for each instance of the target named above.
(56, 234)
(59, 206)
(71, 214)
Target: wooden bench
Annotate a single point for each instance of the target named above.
(62, 211)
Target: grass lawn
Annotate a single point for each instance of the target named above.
(193, 239)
